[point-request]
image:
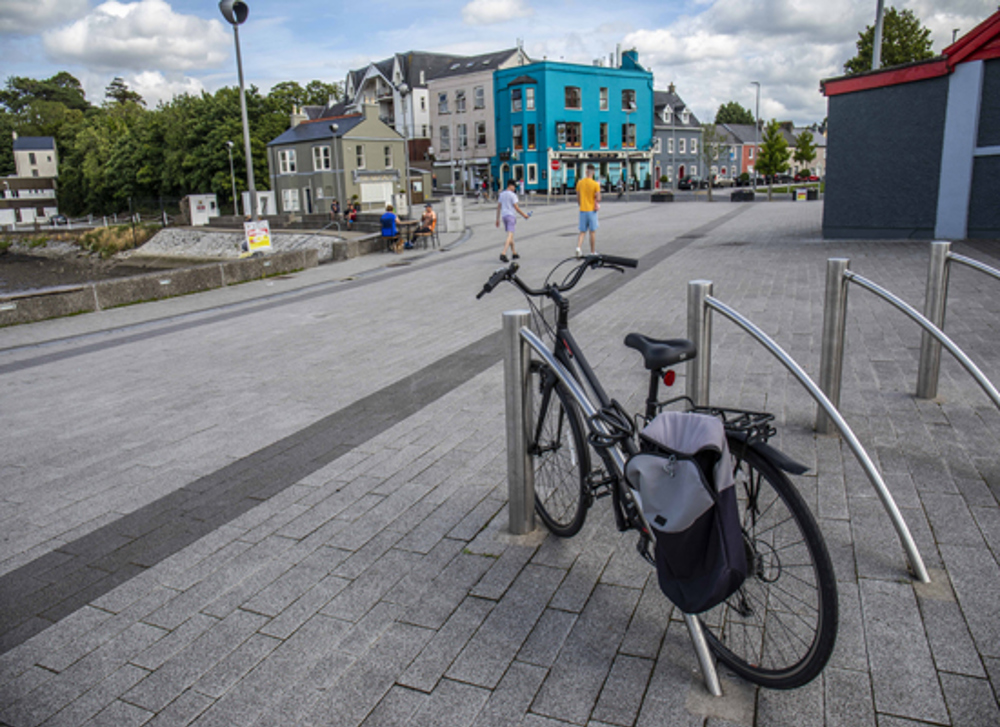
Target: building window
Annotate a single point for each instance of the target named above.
(604, 135)
(359, 152)
(463, 136)
(681, 146)
(321, 158)
(31, 157)
(442, 103)
(685, 116)
(657, 145)
(480, 133)
(479, 97)
(290, 200)
(531, 137)
(515, 101)
(423, 103)
(667, 113)
(628, 136)
(604, 99)
(518, 137)
(529, 99)
(694, 146)
(518, 172)
(286, 161)
(460, 102)
(445, 139)
(694, 170)
(34, 172)
(574, 135)
(750, 155)
(670, 145)
(388, 157)
(628, 100)
(532, 174)
(319, 193)
(573, 99)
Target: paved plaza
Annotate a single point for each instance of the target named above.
(284, 502)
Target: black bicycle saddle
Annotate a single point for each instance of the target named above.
(659, 354)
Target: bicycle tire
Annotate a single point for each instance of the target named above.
(559, 455)
(778, 630)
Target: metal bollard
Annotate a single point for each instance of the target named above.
(935, 303)
(520, 475)
(699, 332)
(831, 365)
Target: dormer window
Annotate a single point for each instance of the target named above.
(685, 116)
(667, 113)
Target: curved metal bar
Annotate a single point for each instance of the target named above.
(981, 267)
(902, 531)
(933, 330)
(709, 673)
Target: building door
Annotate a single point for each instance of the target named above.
(680, 172)
(309, 201)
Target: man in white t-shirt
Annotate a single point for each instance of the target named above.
(508, 210)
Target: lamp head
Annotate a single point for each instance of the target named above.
(229, 144)
(334, 128)
(234, 11)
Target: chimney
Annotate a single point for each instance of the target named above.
(297, 116)
(672, 88)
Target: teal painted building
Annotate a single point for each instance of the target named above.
(553, 118)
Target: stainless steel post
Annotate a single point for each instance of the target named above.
(520, 476)
(699, 332)
(935, 303)
(705, 660)
(831, 364)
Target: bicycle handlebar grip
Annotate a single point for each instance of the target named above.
(498, 277)
(625, 262)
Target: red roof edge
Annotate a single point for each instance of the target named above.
(981, 43)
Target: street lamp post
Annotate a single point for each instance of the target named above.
(404, 91)
(877, 39)
(338, 181)
(232, 177)
(756, 134)
(236, 12)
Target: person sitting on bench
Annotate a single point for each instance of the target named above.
(428, 221)
(390, 231)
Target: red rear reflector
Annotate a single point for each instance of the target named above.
(669, 377)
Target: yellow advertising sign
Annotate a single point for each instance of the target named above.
(258, 238)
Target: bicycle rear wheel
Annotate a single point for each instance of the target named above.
(778, 630)
(559, 454)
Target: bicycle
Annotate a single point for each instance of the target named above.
(778, 630)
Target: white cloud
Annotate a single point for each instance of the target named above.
(139, 36)
(154, 87)
(490, 12)
(26, 17)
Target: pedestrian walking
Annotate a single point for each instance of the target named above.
(588, 194)
(508, 210)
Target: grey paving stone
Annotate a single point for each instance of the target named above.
(623, 691)
(305, 607)
(510, 700)
(94, 700)
(649, 622)
(486, 657)
(574, 683)
(452, 703)
(426, 670)
(546, 640)
(975, 576)
(903, 675)
(396, 708)
(183, 710)
(354, 601)
(848, 700)
(448, 590)
(234, 666)
(971, 702)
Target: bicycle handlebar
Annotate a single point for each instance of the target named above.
(590, 261)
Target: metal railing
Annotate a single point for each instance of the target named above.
(700, 304)
(936, 301)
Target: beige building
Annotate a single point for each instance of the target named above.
(35, 156)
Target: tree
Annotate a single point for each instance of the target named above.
(118, 92)
(904, 40)
(805, 150)
(772, 157)
(319, 93)
(713, 145)
(733, 113)
(61, 88)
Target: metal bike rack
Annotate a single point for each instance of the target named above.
(517, 339)
(935, 303)
(698, 390)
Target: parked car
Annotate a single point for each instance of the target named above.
(692, 183)
(782, 178)
(722, 182)
(57, 220)
(806, 176)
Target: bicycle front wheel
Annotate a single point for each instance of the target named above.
(778, 630)
(559, 454)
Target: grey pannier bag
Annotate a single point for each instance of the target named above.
(685, 489)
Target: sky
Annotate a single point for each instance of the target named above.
(710, 49)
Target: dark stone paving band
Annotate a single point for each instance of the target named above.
(42, 592)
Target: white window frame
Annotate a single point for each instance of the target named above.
(359, 155)
(290, 201)
(462, 132)
(532, 174)
(657, 145)
(388, 156)
(603, 99)
(516, 100)
(629, 102)
(286, 161)
(480, 133)
(529, 98)
(445, 135)
(517, 137)
(443, 103)
(694, 146)
(479, 97)
(579, 97)
(321, 158)
(670, 145)
(460, 101)
(694, 170)
(682, 146)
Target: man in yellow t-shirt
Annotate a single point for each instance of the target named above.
(588, 194)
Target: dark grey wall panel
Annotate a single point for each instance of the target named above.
(989, 113)
(984, 207)
(884, 161)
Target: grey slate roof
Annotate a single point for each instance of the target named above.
(434, 65)
(661, 99)
(318, 129)
(34, 143)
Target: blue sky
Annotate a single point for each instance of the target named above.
(711, 49)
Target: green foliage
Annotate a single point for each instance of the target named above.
(733, 113)
(773, 155)
(62, 88)
(805, 149)
(904, 40)
(107, 241)
(119, 92)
